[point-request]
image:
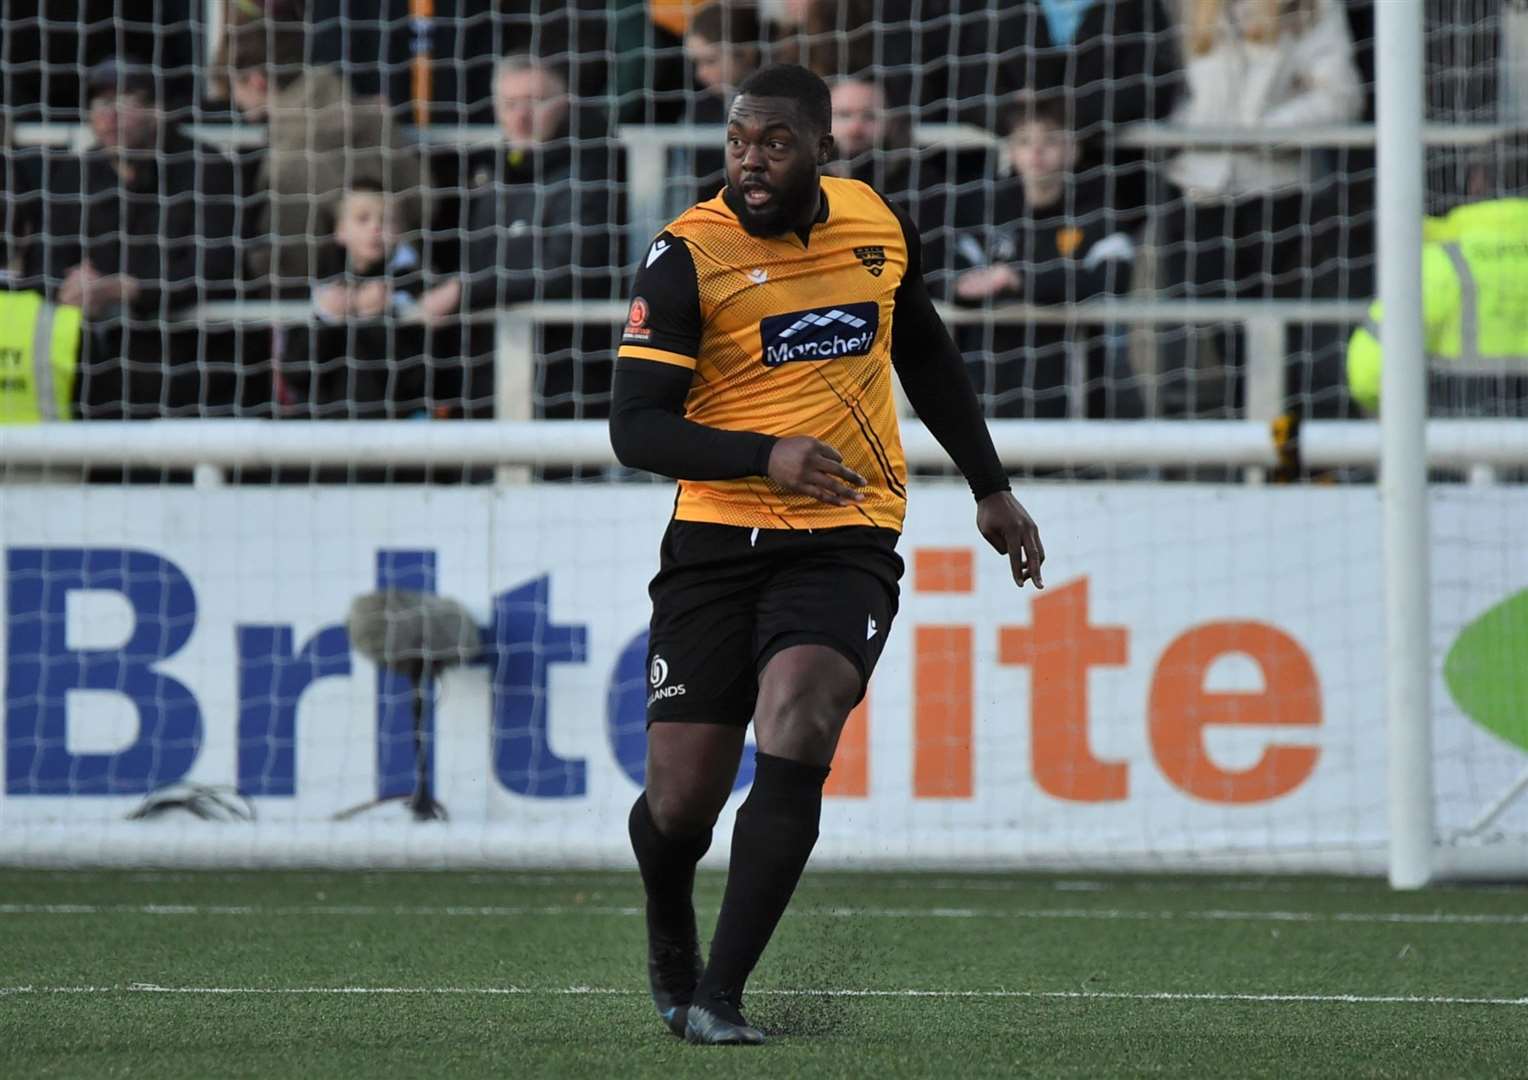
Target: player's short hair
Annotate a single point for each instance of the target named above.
(795, 82)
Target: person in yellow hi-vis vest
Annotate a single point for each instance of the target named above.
(1474, 301)
(39, 356)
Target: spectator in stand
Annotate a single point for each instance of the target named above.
(874, 145)
(133, 232)
(364, 357)
(724, 46)
(1054, 240)
(1474, 298)
(320, 138)
(540, 226)
(1252, 223)
(830, 37)
(39, 340)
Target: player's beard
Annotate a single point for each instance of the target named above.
(792, 202)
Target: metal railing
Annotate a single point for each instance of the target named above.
(1263, 322)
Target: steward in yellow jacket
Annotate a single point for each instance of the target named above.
(39, 356)
(1474, 299)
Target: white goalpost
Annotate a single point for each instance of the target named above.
(1403, 459)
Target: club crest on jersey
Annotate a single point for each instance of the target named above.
(873, 258)
(825, 333)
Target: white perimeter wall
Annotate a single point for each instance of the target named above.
(1293, 572)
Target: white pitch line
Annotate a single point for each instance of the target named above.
(1417, 918)
(600, 991)
(881, 880)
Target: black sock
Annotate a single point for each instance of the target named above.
(774, 835)
(668, 871)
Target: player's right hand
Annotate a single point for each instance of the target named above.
(810, 466)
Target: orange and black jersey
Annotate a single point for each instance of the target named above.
(733, 341)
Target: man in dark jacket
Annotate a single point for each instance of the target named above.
(540, 226)
(875, 146)
(133, 232)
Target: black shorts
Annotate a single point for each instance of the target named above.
(728, 598)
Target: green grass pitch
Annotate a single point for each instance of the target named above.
(528, 975)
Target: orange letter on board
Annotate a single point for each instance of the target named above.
(942, 712)
(1180, 709)
(850, 778)
(1060, 648)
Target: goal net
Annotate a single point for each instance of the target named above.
(258, 224)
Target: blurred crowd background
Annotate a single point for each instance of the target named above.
(397, 173)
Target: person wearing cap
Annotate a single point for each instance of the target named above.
(123, 239)
(1474, 299)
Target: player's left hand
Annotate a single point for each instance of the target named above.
(1007, 526)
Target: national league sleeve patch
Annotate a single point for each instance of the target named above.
(637, 328)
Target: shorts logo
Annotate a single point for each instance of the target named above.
(873, 258)
(820, 333)
(636, 322)
(657, 675)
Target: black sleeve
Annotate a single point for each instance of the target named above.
(648, 429)
(654, 369)
(934, 377)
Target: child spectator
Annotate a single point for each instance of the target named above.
(364, 357)
(320, 138)
(1050, 238)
